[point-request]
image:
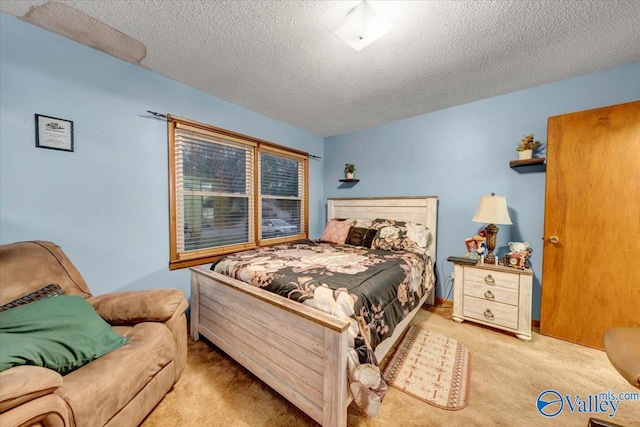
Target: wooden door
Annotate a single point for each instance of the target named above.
(591, 275)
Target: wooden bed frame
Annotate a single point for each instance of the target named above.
(297, 350)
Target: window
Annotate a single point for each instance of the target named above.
(282, 194)
(231, 192)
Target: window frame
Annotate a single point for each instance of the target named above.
(177, 259)
(271, 151)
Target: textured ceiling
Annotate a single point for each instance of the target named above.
(280, 59)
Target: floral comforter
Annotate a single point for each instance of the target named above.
(373, 289)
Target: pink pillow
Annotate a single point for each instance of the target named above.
(336, 231)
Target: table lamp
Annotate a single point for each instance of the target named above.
(492, 210)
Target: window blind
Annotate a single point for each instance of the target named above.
(282, 195)
(231, 192)
(214, 191)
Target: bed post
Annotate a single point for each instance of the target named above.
(334, 412)
(194, 306)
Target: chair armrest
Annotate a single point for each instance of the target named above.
(21, 384)
(125, 308)
(622, 346)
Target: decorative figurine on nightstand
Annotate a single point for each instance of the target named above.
(518, 256)
(476, 247)
(473, 254)
(481, 244)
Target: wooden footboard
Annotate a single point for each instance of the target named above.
(298, 351)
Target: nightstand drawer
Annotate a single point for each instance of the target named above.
(491, 312)
(491, 293)
(491, 278)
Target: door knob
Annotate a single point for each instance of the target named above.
(553, 239)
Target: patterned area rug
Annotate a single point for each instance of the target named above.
(432, 368)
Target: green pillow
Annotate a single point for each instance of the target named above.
(60, 333)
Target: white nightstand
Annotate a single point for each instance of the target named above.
(494, 295)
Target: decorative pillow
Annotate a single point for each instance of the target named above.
(336, 231)
(356, 236)
(48, 291)
(388, 238)
(379, 222)
(367, 241)
(419, 234)
(61, 333)
(360, 222)
(400, 236)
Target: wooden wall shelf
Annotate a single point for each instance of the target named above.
(529, 165)
(349, 180)
(527, 162)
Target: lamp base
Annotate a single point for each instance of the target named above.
(490, 258)
(492, 232)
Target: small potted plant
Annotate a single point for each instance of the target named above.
(349, 169)
(526, 147)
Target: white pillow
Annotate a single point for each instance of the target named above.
(418, 233)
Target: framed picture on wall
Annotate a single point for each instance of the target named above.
(54, 133)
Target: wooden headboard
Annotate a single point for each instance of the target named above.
(422, 209)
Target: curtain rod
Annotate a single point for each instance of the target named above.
(164, 116)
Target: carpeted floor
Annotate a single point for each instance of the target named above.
(507, 375)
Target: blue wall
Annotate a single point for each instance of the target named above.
(106, 203)
(462, 153)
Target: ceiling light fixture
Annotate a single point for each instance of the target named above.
(361, 27)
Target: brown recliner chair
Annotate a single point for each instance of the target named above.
(623, 350)
(622, 346)
(119, 388)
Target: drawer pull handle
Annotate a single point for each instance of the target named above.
(489, 295)
(488, 314)
(489, 280)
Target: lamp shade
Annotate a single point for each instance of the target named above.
(492, 210)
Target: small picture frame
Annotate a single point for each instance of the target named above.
(470, 243)
(54, 133)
